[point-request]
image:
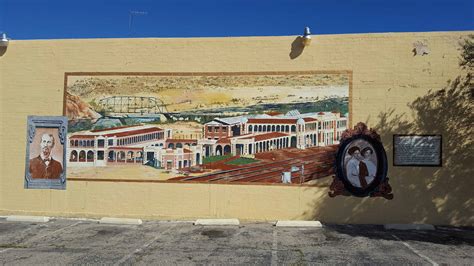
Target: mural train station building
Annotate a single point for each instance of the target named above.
(236, 136)
(253, 134)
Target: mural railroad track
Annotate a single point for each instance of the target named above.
(316, 164)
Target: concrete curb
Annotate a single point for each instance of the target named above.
(409, 227)
(217, 222)
(31, 219)
(77, 219)
(299, 224)
(112, 220)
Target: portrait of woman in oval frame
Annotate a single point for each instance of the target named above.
(361, 165)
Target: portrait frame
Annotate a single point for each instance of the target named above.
(58, 125)
(378, 187)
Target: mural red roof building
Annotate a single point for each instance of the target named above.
(134, 132)
(267, 136)
(278, 121)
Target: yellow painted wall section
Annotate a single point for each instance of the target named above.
(387, 78)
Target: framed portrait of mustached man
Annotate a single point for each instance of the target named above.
(45, 164)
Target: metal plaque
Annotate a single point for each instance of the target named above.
(417, 150)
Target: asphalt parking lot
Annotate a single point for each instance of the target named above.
(63, 241)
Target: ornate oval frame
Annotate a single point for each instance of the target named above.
(379, 187)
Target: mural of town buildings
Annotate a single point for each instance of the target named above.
(222, 128)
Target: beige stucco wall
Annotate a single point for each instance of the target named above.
(386, 77)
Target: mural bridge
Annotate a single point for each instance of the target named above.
(146, 107)
(138, 106)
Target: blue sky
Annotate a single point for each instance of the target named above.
(54, 19)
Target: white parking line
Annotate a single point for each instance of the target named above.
(39, 237)
(52, 233)
(7, 249)
(138, 250)
(3, 250)
(416, 251)
(274, 248)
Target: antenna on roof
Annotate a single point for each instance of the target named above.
(130, 21)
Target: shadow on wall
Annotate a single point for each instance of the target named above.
(297, 47)
(3, 50)
(438, 195)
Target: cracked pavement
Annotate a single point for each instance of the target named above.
(63, 241)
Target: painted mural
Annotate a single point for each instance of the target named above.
(261, 128)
